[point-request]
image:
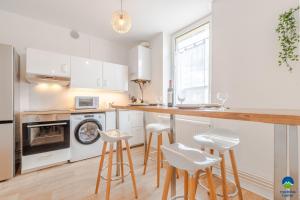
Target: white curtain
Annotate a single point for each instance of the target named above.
(191, 73)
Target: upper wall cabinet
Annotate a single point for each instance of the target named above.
(46, 63)
(140, 63)
(86, 73)
(115, 77)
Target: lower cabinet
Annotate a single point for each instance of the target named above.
(132, 123)
(110, 120)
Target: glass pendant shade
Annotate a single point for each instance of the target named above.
(121, 21)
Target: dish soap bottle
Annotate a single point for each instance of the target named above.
(170, 94)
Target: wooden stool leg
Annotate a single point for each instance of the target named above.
(235, 173)
(131, 169)
(211, 186)
(170, 138)
(111, 151)
(196, 181)
(147, 153)
(212, 151)
(223, 174)
(159, 141)
(161, 155)
(177, 173)
(167, 183)
(192, 186)
(122, 162)
(100, 167)
(186, 185)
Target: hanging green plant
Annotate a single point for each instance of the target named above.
(288, 38)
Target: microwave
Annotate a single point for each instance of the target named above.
(86, 102)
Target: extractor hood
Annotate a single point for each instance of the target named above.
(34, 78)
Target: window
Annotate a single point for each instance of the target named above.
(191, 59)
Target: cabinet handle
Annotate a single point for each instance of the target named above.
(63, 68)
(104, 83)
(98, 82)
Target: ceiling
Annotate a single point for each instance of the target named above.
(149, 17)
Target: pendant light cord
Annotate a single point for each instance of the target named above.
(121, 5)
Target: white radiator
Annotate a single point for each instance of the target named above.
(186, 128)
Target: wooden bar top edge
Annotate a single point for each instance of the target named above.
(271, 116)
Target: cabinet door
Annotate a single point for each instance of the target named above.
(138, 135)
(115, 77)
(86, 73)
(110, 120)
(124, 117)
(47, 63)
(136, 119)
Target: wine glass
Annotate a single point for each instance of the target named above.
(159, 100)
(222, 97)
(181, 98)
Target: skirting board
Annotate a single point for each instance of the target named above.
(253, 183)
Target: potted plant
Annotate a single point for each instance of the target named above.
(288, 38)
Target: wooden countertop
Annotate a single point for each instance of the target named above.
(272, 116)
(66, 111)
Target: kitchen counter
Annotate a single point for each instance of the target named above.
(48, 112)
(273, 116)
(285, 122)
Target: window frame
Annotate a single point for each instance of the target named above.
(201, 22)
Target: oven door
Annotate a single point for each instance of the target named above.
(39, 137)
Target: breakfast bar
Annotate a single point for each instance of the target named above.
(285, 136)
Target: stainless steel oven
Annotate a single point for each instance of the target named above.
(44, 136)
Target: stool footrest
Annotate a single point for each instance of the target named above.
(180, 197)
(230, 195)
(116, 178)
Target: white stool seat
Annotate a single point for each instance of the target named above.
(157, 128)
(218, 139)
(189, 159)
(114, 135)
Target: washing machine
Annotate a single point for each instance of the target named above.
(85, 140)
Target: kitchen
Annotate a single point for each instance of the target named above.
(99, 63)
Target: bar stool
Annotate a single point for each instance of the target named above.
(222, 140)
(191, 161)
(156, 129)
(115, 137)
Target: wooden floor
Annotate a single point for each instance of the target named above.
(76, 181)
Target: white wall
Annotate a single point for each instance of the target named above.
(245, 50)
(23, 32)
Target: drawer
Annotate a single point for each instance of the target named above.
(43, 160)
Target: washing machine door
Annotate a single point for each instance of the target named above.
(86, 131)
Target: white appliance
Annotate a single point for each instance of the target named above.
(85, 139)
(47, 67)
(45, 141)
(9, 79)
(86, 102)
(140, 63)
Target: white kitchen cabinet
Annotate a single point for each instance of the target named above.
(115, 77)
(46, 63)
(86, 73)
(132, 123)
(110, 120)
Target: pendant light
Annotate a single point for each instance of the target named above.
(121, 21)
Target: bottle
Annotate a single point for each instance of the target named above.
(170, 94)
